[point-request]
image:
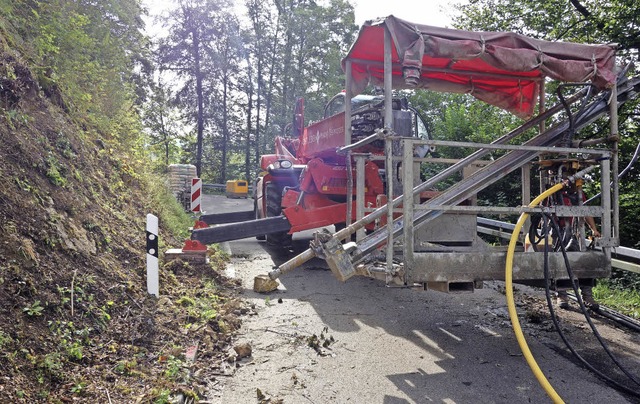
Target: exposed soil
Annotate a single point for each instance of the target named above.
(78, 324)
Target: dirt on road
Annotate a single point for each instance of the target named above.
(317, 340)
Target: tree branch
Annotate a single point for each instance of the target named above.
(580, 8)
(572, 26)
(586, 13)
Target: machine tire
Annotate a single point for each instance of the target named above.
(274, 208)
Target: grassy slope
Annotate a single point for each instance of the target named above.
(77, 321)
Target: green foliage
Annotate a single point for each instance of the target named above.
(161, 396)
(78, 388)
(166, 207)
(55, 172)
(126, 368)
(84, 57)
(34, 309)
(163, 128)
(621, 293)
(239, 84)
(203, 307)
(74, 350)
(4, 340)
(174, 369)
(52, 363)
(15, 118)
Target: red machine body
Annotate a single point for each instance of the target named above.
(306, 179)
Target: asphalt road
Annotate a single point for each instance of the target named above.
(396, 345)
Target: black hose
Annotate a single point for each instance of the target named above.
(614, 316)
(584, 310)
(622, 173)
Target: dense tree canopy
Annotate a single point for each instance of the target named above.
(589, 21)
(90, 55)
(241, 72)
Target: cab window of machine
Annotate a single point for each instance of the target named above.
(335, 106)
(421, 128)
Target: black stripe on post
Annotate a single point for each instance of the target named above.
(152, 244)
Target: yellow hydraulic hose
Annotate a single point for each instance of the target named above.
(510, 302)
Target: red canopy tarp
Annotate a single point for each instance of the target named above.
(501, 68)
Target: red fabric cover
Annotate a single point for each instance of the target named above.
(501, 68)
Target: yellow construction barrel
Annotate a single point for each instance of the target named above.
(237, 189)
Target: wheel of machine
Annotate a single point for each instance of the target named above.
(274, 208)
(255, 211)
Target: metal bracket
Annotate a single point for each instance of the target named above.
(335, 253)
(607, 242)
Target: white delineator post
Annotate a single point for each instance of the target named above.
(196, 194)
(153, 282)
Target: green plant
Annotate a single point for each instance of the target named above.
(4, 339)
(52, 362)
(64, 146)
(169, 211)
(186, 301)
(162, 396)
(63, 291)
(23, 184)
(15, 119)
(55, 172)
(34, 309)
(79, 388)
(125, 367)
(174, 368)
(74, 350)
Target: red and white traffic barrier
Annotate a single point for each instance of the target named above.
(196, 194)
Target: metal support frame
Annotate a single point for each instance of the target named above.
(360, 178)
(428, 268)
(388, 150)
(613, 124)
(487, 176)
(347, 141)
(525, 179)
(408, 201)
(388, 145)
(416, 273)
(606, 206)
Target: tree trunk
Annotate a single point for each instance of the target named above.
(269, 87)
(200, 99)
(258, 106)
(247, 156)
(225, 129)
